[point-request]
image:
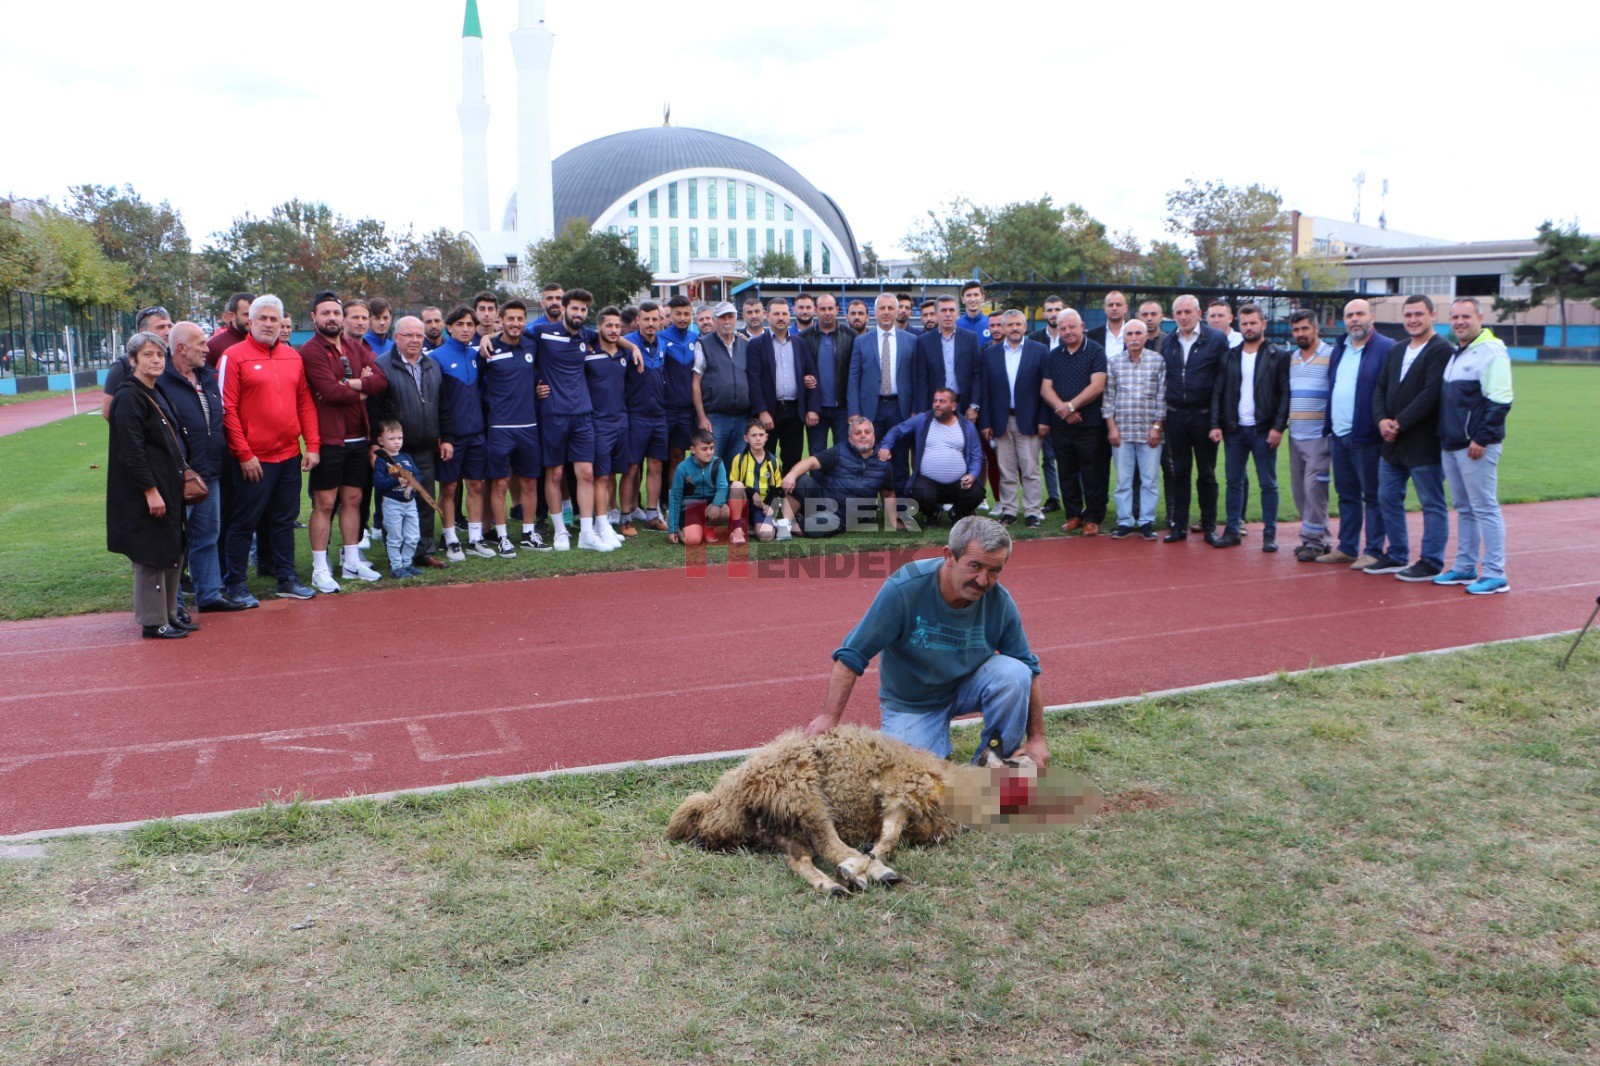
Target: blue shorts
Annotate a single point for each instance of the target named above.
(647, 439)
(466, 462)
(680, 427)
(567, 439)
(610, 445)
(513, 451)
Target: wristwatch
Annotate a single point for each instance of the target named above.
(1071, 409)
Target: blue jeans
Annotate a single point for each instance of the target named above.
(1355, 479)
(829, 420)
(1474, 484)
(1239, 446)
(401, 531)
(1052, 482)
(729, 433)
(999, 690)
(1137, 455)
(205, 561)
(1429, 481)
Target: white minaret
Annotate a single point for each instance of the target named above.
(531, 44)
(473, 113)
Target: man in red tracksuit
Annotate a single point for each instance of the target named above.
(267, 411)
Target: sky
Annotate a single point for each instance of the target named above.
(1479, 115)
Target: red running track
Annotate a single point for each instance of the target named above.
(26, 414)
(407, 688)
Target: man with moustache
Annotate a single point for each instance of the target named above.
(1193, 352)
(1354, 366)
(828, 344)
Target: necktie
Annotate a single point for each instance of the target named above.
(886, 385)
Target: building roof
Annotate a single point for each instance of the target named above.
(471, 27)
(1472, 250)
(591, 177)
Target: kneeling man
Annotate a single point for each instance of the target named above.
(952, 644)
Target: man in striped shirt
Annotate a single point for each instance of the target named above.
(1310, 449)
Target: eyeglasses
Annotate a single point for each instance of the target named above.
(151, 312)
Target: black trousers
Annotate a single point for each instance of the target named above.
(275, 499)
(1083, 462)
(931, 496)
(788, 431)
(886, 418)
(426, 455)
(1193, 453)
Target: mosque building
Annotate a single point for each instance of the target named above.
(693, 204)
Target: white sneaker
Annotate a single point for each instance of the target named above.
(604, 531)
(592, 542)
(454, 554)
(361, 571)
(639, 515)
(322, 581)
(563, 540)
(365, 542)
(373, 534)
(613, 518)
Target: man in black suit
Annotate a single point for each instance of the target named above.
(1249, 414)
(826, 348)
(947, 358)
(1109, 336)
(776, 368)
(1405, 405)
(1193, 352)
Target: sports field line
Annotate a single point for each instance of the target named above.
(711, 756)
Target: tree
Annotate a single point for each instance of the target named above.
(299, 250)
(1238, 233)
(148, 240)
(1027, 239)
(68, 263)
(1566, 267)
(1165, 265)
(871, 265)
(773, 264)
(441, 268)
(18, 262)
(1315, 272)
(583, 258)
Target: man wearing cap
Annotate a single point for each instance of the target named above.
(722, 383)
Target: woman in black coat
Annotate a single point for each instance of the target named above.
(144, 490)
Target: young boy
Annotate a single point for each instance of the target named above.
(699, 493)
(753, 474)
(402, 533)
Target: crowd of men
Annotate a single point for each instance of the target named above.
(543, 417)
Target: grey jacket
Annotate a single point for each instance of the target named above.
(724, 387)
(418, 415)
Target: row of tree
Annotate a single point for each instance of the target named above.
(1239, 238)
(1566, 267)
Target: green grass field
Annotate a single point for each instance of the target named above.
(52, 523)
(1392, 864)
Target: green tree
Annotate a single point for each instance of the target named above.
(1165, 265)
(17, 261)
(440, 268)
(773, 263)
(1238, 233)
(1566, 267)
(299, 250)
(148, 240)
(947, 245)
(1026, 239)
(68, 263)
(871, 264)
(579, 257)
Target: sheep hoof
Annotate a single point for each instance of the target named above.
(836, 891)
(888, 877)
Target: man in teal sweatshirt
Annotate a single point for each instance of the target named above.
(952, 644)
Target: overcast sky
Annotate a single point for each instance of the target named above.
(1480, 115)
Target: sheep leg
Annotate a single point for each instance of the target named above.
(851, 864)
(799, 858)
(894, 822)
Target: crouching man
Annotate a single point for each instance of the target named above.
(952, 644)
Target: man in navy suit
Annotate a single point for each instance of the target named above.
(1014, 417)
(1354, 367)
(947, 358)
(776, 365)
(1193, 353)
(883, 380)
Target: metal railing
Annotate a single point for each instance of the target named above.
(38, 333)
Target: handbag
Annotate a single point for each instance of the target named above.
(195, 489)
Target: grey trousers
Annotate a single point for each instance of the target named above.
(155, 594)
(1309, 462)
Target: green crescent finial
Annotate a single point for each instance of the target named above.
(471, 27)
